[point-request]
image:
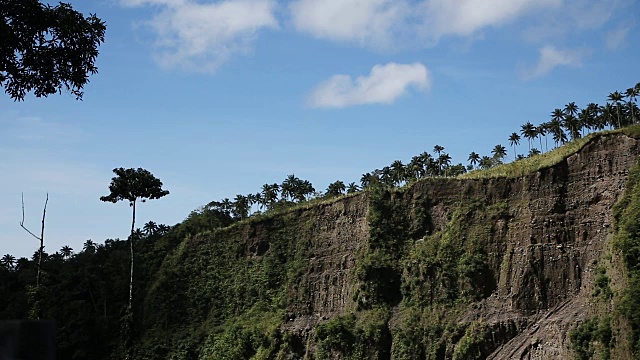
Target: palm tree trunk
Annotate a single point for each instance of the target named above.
(133, 224)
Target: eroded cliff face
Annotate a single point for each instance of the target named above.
(524, 255)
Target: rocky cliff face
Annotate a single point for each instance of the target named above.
(498, 268)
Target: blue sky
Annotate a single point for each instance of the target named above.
(217, 98)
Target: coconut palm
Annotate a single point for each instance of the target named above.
(398, 172)
(437, 149)
(528, 131)
(270, 194)
(616, 98)
(444, 160)
(89, 246)
(335, 189)
(241, 206)
(514, 140)
(288, 187)
(533, 152)
(499, 152)
(474, 158)
(485, 162)
(352, 188)
(149, 228)
(66, 251)
(8, 261)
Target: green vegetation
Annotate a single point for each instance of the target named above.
(592, 339)
(627, 241)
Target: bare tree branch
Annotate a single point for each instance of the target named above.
(22, 222)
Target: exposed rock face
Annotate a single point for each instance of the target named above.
(541, 253)
(543, 256)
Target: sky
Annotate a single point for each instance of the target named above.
(217, 98)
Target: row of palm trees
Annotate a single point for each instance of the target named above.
(565, 124)
(572, 123)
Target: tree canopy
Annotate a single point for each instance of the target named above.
(46, 48)
(133, 184)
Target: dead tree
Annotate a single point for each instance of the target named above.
(41, 237)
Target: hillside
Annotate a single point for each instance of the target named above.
(488, 267)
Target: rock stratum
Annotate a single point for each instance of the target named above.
(495, 268)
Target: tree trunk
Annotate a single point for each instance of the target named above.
(44, 214)
(133, 224)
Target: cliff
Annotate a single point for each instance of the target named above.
(498, 268)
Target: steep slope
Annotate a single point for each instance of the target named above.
(481, 268)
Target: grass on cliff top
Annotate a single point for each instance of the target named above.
(546, 160)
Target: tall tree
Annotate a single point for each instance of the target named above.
(336, 189)
(616, 98)
(46, 49)
(631, 95)
(528, 131)
(474, 159)
(499, 152)
(8, 261)
(66, 251)
(132, 185)
(398, 172)
(39, 238)
(514, 140)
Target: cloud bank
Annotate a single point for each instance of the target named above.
(383, 85)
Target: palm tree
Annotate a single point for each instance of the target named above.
(270, 194)
(427, 163)
(241, 206)
(149, 228)
(8, 261)
(304, 188)
(499, 152)
(607, 115)
(287, 188)
(486, 162)
(437, 149)
(632, 94)
(386, 176)
(571, 109)
(474, 158)
(533, 152)
(528, 131)
(89, 246)
(616, 97)
(415, 168)
(572, 125)
(398, 172)
(352, 188)
(335, 189)
(66, 251)
(514, 140)
(540, 132)
(444, 160)
(365, 180)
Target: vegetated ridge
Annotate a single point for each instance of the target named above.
(497, 267)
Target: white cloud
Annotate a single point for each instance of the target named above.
(551, 57)
(617, 37)
(366, 22)
(382, 23)
(465, 17)
(203, 36)
(384, 85)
